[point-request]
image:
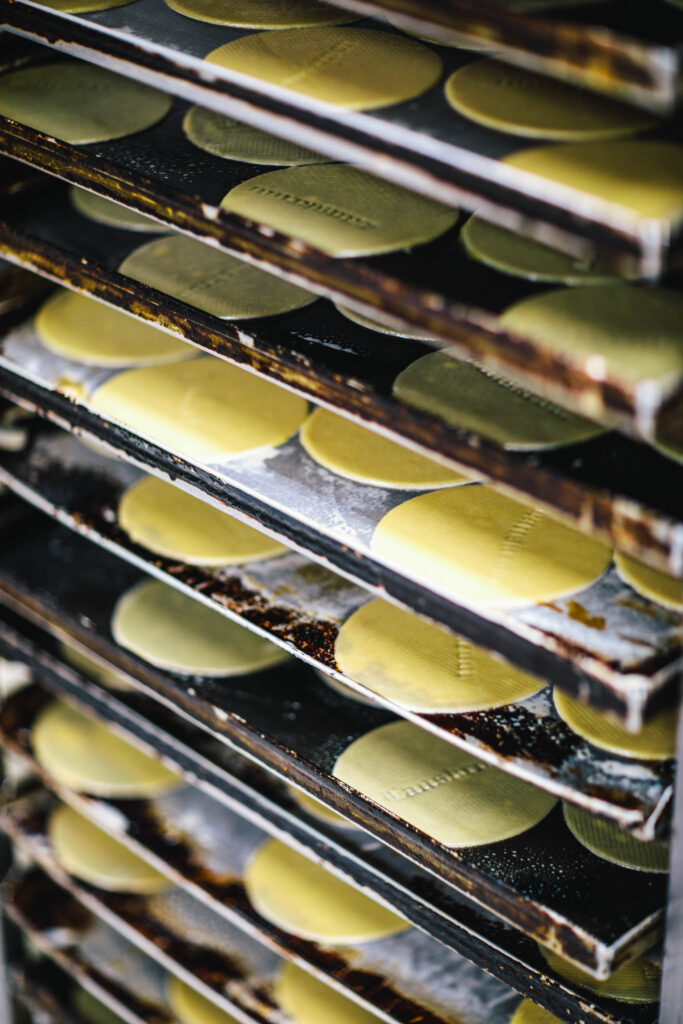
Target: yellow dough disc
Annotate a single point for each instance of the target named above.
(204, 409)
(190, 1007)
(644, 176)
(270, 14)
(531, 1013)
(656, 586)
(80, 103)
(234, 140)
(339, 209)
(170, 522)
(82, 7)
(177, 633)
(656, 741)
(89, 666)
(88, 853)
(636, 982)
(343, 690)
(422, 667)
(319, 810)
(91, 1009)
(84, 755)
(360, 68)
(375, 325)
(440, 790)
(309, 1001)
(354, 452)
(521, 102)
(210, 280)
(305, 899)
(635, 333)
(469, 396)
(614, 844)
(79, 328)
(476, 545)
(105, 211)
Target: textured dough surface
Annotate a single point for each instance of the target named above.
(204, 409)
(656, 741)
(476, 545)
(375, 325)
(268, 14)
(190, 1007)
(105, 211)
(354, 452)
(92, 668)
(234, 140)
(343, 690)
(339, 209)
(303, 898)
(359, 68)
(309, 1001)
(86, 756)
(636, 982)
(319, 810)
(654, 585)
(614, 844)
(77, 327)
(444, 792)
(472, 397)
(529, 1012)
(88, 853)
(80, 103)
(171, 523)
(210, 280)
(177, 633)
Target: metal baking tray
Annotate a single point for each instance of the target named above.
(46, 992)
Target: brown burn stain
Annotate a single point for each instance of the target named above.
(576, 611)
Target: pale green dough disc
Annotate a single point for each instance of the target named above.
(91, 667)
(531, 1013)
(81, 6)
(178, 634)
(656, 740)
(472, 397)
(80, 103)
(375, 325)
(105, 211)
(614, 844)
(191, 1007)
(343, 690)
(92, 1010)
(319, 810)
(234, 140)
(656, 586)
(309, 1001)
(341, 210)
(270, 14)
(638, 981)
(210, 280)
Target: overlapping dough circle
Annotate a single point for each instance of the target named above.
(319, 810)
(89, 666)
(80, 103)
(203, 409)
(171, 523)
(177, 633)
(376, 325)
(636, 982)
(475, 545)
(268, 14)
(85, 851)
(343, 689)
(422, 667)
(303, 898)
(82, 6)
(233, 140)
(77, 327)
(614, 844)
(529, 1012)
(191, 1007)
(359, 68)
(105, 211)
(86, 756)
(440, 790)
(92, 1010)
(657, 586)
(309, 1001)
(656, 741)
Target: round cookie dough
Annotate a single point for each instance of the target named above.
(469, 396)
(92, 668)
(319, 810)
(529, 1012)
(88, 853)
(343, 690)
(82, 6)
(84, 755)
(656, 586)
(204, 409)
(234, 140)
(423, 668)
(440, 790)
(268, 14)
(340, 210)
(92, 1010)
(375, 325)
(358, 454)
(190, 1007)
(80, 103)
(656, 741)
(77, 327)
(635, 333)
(178, 634)
(521, 102)
(171, 523)
(105, 211)
(303, 898)
(210, 280)
(309, 1001)
(614, 844)
(476, 545)
(636, 982)
(358, 68)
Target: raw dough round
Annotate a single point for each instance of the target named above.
(234, 140)
(190, 1007)
(655, 742)
(531, 1013)
(358, 454)
(91, 1009)
(340, 210)
(84, 755)
(309, 1001)
(171, 523)
(205, 409)
(210, 280)
(86, 852)
(469, 396)
(80, 103)
(303, 898)
(82, 7)
(375, 325)
(77, 327)
(440, 790)
(422, 667)
(636, 982)
(656, 586)
(615, 844)
(92, 668)
(269, 14)
(319, 810)
(105, 211)
(360, 68)
(473, 544)
(343, 690)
